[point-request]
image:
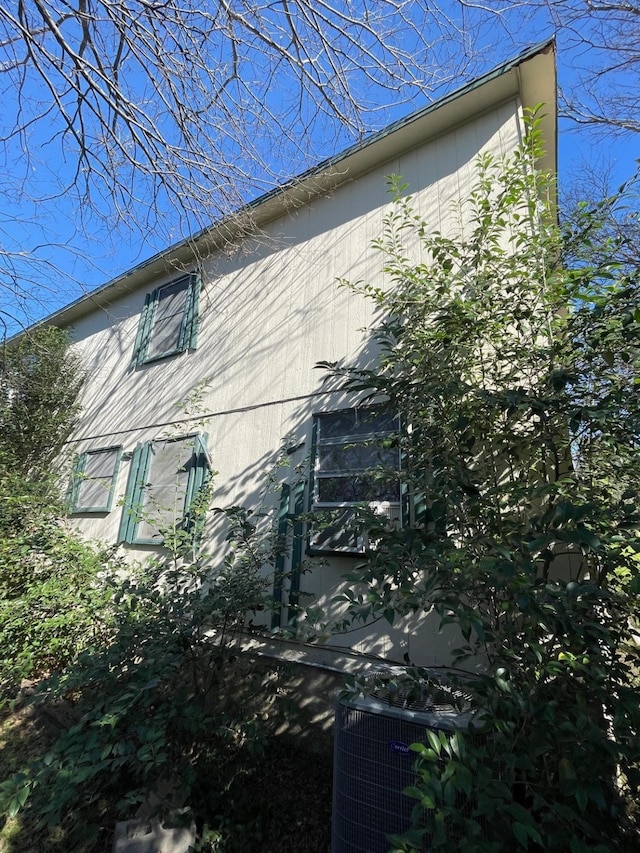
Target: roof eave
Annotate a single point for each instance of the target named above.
(531, 76)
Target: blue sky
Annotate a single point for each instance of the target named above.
(57, 246)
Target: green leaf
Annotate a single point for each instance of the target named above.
(566, 770)
(18, 800)
(414, 792)
(390, 615)
(464, 778)
(521, 832)
(424, 752)
(520, 813)
(434, 740)
(582, 798)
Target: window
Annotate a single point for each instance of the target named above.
(355, 452)
(93, 480)
(169, 320)
(165, 477)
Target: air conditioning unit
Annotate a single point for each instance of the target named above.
(373, 764)
(390, 510)
(390, 513)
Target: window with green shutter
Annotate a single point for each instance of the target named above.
(169, 320)
(165, 477)
(356, 458)
(93, 480)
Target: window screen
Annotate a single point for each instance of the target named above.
(356, 458)
(93, 480)
(169, 320)
(165, 477)
(163, 499)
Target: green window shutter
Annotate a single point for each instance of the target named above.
(414, 507)
(169, 320)
(144, 330)
(189, 331)
(135, 490)
(296, 552)
(198, 478)
(413, 499)
(420, 509)
(314, 456)
(71, 498)
(139, 515)
(278, 575)
(202, 468)
(418, 512)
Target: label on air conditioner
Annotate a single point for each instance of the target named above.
(398, 746)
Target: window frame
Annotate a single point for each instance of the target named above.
(187, 336)
(137, 484)
(78, 476)
(342, 507)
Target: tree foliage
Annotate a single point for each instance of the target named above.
(51, 604)
(517, 377)
(157, 118)
(165, 708)
(40, 379)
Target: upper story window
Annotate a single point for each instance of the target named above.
(93, 480)
(169, 320)
(165, 477)
(355, 457)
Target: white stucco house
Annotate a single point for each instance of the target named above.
(236, 320)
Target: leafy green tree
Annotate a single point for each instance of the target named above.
(40, 379)
(516, 375)
(50, 602)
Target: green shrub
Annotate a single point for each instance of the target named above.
(516, 376)
(52, 603)
(40, 380)
(167, 700)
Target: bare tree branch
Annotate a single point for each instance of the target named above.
(182, 97)
(166, 115)
(149, 114)
(599, 45)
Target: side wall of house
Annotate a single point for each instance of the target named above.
(269, 310)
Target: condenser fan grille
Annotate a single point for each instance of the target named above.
(438, 700)
(373, 763)
(373, 766)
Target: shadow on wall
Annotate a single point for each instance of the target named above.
(269, 313)
(258, 338)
